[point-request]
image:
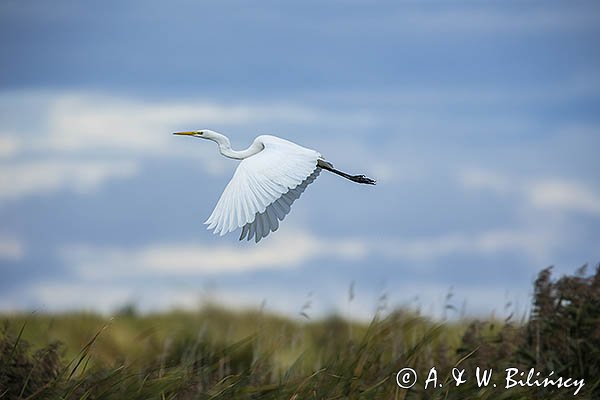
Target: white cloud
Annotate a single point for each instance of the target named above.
(9, 145)
(11, 248)
(534, 244)
(482, 179)
(83, 121)
(289, 250)
(29, 178)
(564, 195)
(284, 250)
(553, 194)
(68, 122)
(101, 271)
(104, 297)
(64, 127)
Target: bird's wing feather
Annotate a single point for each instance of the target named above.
(268, 221)
(263, 188)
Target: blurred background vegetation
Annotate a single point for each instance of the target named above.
(217, 353)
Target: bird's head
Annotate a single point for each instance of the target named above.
(203, 133)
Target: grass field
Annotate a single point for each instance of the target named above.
(215, 353)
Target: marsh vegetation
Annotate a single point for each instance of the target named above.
(215, 353)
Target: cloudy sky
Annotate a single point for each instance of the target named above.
(480, 120)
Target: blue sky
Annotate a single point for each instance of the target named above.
(480, 121)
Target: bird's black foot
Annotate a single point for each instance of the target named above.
(363, 179)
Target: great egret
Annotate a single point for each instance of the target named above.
(272, 175)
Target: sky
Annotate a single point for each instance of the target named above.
(480, 121)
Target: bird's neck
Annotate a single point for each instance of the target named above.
(226, 150)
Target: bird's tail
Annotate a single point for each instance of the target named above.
(354, 178)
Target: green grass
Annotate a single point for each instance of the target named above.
(215, 353)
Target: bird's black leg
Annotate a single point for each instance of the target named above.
(354, 178)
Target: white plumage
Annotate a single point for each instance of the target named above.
(272, 175)
(263, 188)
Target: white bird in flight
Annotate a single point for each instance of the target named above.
(272, 175)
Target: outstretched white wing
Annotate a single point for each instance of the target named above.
(263, 188)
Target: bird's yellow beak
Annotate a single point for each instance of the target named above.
(190, 133)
